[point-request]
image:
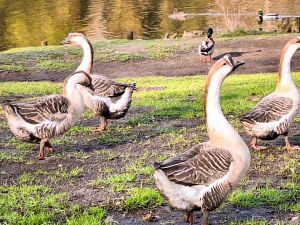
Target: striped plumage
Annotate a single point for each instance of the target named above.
(202, 177)
(111, 99)
(275, 113)
(50, 116)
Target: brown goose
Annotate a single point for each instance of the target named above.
(201, 178)
(275, 113)
(50, 116)
(111, 99)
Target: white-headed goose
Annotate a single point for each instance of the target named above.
(201, 178)
(50, 116)
(207, 48)
(111, 99)
(275, 113)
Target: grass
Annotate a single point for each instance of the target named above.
(116, 164)
(60, 58)
(281, 200)
(36, 204)
(142, 198)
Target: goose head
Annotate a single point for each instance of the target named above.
(224, 66)
(285, 80)
(218, 72)
(293, 44)
(74, 39)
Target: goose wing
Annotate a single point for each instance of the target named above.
(105, 87)
(52, 108)
(271, 108)
(202, 164)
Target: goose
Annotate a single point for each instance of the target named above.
(201, 178)
(275, 113)
(207, 48)
(111, 99)
(49, 116)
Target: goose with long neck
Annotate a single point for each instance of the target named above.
(274, 114)
(202, 177)
(111, 99)
(50, 116)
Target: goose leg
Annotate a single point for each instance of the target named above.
(102, 125)
(189, 218)
(48, 147)
(40, 154)
(253, 145)
(288, 146)
(205, 216)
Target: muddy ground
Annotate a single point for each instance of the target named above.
(261, 55)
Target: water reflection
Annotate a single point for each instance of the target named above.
(28, 22)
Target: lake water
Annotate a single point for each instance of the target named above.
(28, 22)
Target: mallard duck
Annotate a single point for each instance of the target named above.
(111, 99)
(201, 178)
(207, 47)
(50, 116)
(275, 113)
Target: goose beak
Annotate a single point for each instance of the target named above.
(233, 64)
(237, 64)
(66, 41)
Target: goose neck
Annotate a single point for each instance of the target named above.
(215, 120)
(221, 133)
(285, 80)
(88, 55)
(72, 93)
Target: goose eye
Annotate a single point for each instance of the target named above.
(224, 64)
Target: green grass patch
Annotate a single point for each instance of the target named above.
(242, 199)
(252, 221)
(281, 200)
(142, 198)
(30, 205)
(91, 216)
(55, 65)
(36, 204)
(12, 68)
(242, 32)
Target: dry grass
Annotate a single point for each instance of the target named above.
(232, 11)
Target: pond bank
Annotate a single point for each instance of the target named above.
(122, 58)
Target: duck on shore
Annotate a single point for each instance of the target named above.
(207, 47)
